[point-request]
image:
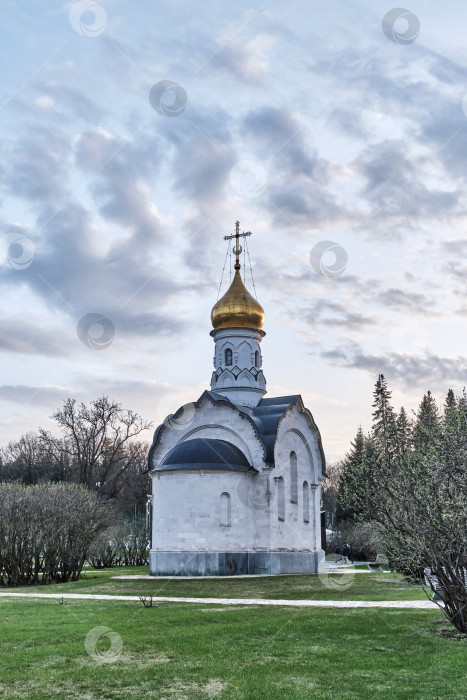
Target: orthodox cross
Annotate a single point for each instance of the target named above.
(237, 249)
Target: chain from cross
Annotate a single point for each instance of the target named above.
(237, 249)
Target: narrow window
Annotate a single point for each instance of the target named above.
(225, 510)
(306, 503)
(256, 358)
(293, 478)
(228, 356)
(280, 499)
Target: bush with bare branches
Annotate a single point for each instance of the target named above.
(46, 531)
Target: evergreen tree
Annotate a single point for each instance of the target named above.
(455, 430)
(384, 423)
(403, 434)
(356, 483)
(427, 428)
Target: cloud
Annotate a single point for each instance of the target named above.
(298, 177)
(243, 60)
(335, 315)
(348, 122)
(34, 395)
(420, 370)
(394, 183)
(38, 168)
(408, 302)
(24, 336)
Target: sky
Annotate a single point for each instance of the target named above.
(134, 134)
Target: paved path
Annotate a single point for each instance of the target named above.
(409, 604)
(328, 569)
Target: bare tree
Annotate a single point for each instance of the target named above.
(330, 488)
(134, 483)
(95, 439)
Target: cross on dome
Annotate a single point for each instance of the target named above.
(237, 308)
(237, 249)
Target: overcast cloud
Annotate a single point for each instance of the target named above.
(307, 124)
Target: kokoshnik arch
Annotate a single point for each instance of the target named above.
(236, 477)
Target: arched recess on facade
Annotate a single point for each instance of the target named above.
(281, 499)
(306, 457)
(244, 354)
(293, 474)
(226, 510)
(245, 378)
(306, 502)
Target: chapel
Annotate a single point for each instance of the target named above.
(236, 475)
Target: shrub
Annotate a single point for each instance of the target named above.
(46, 532)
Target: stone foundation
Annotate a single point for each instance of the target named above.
(233, 563)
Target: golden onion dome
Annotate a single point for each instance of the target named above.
(237, 307)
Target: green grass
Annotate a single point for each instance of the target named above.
(364, 586)
(181, 651)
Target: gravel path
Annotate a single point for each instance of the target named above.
(409, 604)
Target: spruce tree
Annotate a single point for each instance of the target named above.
(347, 506)
(403, 434)
(384, 423)
(427, 428)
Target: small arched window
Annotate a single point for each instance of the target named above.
(280, 499)
(228, 357)
(306, 503)
(225, 510)
(293, 478)
(256, 358)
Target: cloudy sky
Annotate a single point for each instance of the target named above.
(134, 134)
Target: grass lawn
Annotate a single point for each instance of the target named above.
(364, 586)
(181, 651)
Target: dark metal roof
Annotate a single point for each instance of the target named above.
(205, 453)
(266, 416)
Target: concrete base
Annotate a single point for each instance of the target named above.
(233, 563)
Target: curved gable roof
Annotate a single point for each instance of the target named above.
(265, 418)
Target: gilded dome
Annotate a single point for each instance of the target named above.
(237, 307)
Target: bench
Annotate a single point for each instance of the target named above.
(433, 582)
(379, 561)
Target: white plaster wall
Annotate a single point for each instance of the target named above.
(186, 506)
(296, 435)
(186, 515)
(186, 512)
